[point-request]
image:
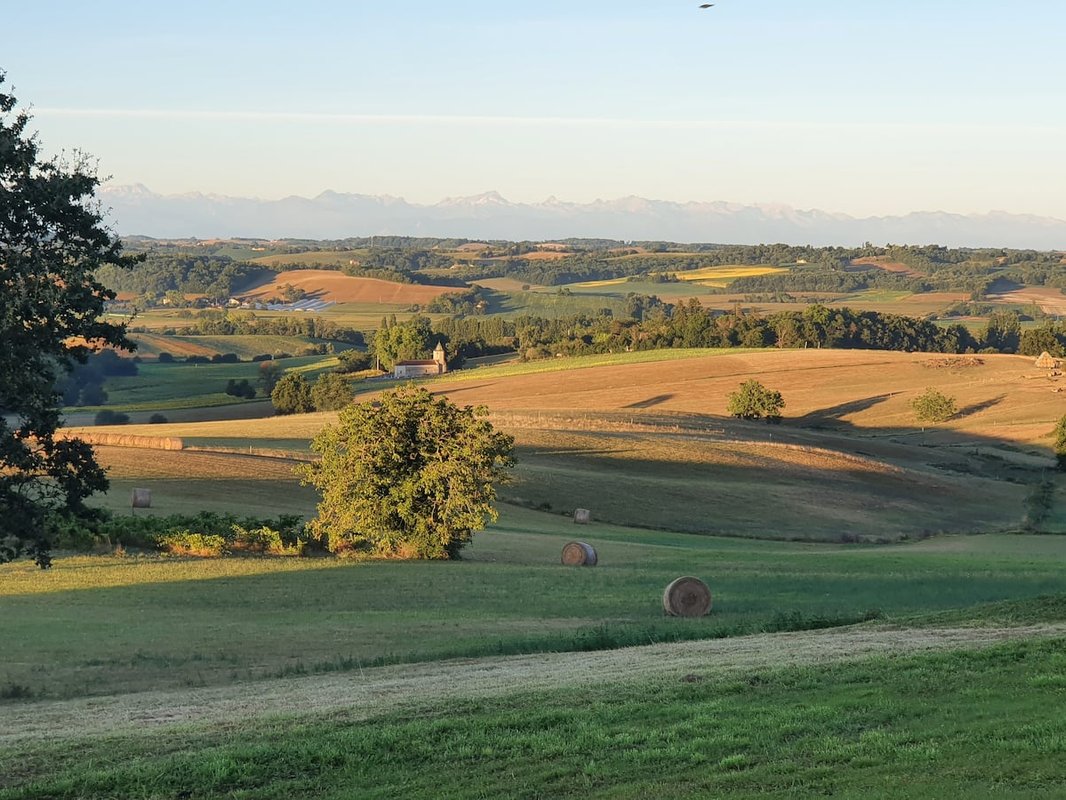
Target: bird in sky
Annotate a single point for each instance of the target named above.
(706, 5)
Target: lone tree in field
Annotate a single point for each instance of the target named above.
(408, 476)
(52, 240)
(933, 406)
(292, 395)
(331, 392)
(754, 401)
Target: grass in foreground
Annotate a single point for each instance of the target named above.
(103, 625)
(975, 724)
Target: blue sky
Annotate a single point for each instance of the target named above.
(859, 107)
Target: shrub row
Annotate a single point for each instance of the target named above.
(203, 534)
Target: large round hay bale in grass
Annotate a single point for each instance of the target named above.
(579, 554)
(142, 498)
(687, 597)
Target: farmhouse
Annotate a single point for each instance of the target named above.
(420, 369)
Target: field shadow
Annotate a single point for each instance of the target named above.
(837, 412)
(651, 401)
(977, 408)
(449, 391)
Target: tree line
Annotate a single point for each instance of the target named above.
(246, 323)
(419, 260)
(688, 324)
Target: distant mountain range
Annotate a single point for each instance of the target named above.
(331, 215)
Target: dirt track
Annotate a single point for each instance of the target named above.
(364, 694)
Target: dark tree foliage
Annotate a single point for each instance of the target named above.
(754, 401)
(215, 276)
(52, 241)
(83, 385)
(240, 388)
(292, 395)
(1060, 444)
(331, 392)
(246, 323)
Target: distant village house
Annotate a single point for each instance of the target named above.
(424, 368)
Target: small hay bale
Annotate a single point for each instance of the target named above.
(142, 498)
(579, 554)
(687, 597)
(582, 516)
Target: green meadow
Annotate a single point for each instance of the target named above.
(112, 625)
(974, 723)
(159, 387)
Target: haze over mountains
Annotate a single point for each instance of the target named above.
(136, 210)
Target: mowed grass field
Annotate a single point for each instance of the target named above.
(152, 344)
(296, 678)
(165, 387)
(101, 625)
(926, 669)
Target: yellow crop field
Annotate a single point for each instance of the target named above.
(723, 275)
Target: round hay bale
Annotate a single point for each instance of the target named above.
(687, 597)
(582, 516)
(142, 498)
(579, 554)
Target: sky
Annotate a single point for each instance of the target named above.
(865, 108)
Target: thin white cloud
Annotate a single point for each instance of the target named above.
(516, 121)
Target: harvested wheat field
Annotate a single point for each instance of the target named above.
(650, 443)
(1001, 397)
(715, 483)
(1048, 299)
(190, 482)
(887, 264)
(332, 286)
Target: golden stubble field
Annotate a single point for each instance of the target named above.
(1004, 398)
(330, 285)
(650, 444)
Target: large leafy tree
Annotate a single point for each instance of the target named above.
(933, 406)
(400, 341)
(331, 392)
(52, 239)
(408, 476)
(292, 395)
(754, 401)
